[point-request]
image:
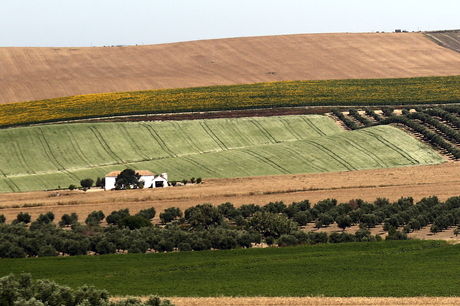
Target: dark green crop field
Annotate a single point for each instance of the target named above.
(387, 268)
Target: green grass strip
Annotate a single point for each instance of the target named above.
(260, 95)
(385, 269)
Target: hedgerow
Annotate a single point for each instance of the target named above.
(206, 227)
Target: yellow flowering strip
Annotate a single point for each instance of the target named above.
(259, 95)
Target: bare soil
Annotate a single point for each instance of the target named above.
(417, 182)
(40, 73)
(314, 301)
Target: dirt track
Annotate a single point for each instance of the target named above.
(38, 73)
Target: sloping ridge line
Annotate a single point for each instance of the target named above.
(41, 73)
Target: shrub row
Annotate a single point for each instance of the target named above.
(205, 227)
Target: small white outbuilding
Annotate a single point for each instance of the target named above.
(150, 180)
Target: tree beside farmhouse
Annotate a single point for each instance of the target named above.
(130, 178)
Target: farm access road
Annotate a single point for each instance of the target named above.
(417, 182)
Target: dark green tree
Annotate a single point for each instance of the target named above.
(170, 214)
(87, 183)
(94, 218)
(134, 222)
(148, 213)
(127, 178)
(22, 217)
(117, 215)
(344, 221)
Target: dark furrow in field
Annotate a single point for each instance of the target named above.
(132, 141)
(369, 153)
(10, 183)
(211, 134)
(393, 147)
(314, 127)
(186, 136)
(51, 156)
(264, 131)
(243, 138)
(77, 148)
(266, 161)
(199, 165)
(18, 152)
(291, 130)
(159, 140)
(333, 155)
(104, 145)
(300, 155)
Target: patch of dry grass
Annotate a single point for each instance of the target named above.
(314, 301)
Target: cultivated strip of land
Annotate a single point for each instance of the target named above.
(362, 92)
(46, 157)
(42, 73)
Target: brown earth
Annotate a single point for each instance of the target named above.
(39, 73)
(417, 182)
(314, 301)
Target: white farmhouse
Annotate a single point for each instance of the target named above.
(150, 180)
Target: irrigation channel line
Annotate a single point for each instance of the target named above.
(199, 165)
(19, 152)
(23, 161)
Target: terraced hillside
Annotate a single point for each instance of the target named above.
(45, 157)
(39, 73)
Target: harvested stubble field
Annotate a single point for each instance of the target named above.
(41, 73)
(314, 301)
(417, 182)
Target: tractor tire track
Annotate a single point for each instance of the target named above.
(291, 130)
(10, 183)
(266, 161)
(159, 140)
(393, 147)
(216, 139)
(77, 148)
(369, 153)
(50, 154)
(105, 146)
(333, 155)
(132, 142)
(259, 126)
(313, 126)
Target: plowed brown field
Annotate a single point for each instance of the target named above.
(39, 73)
